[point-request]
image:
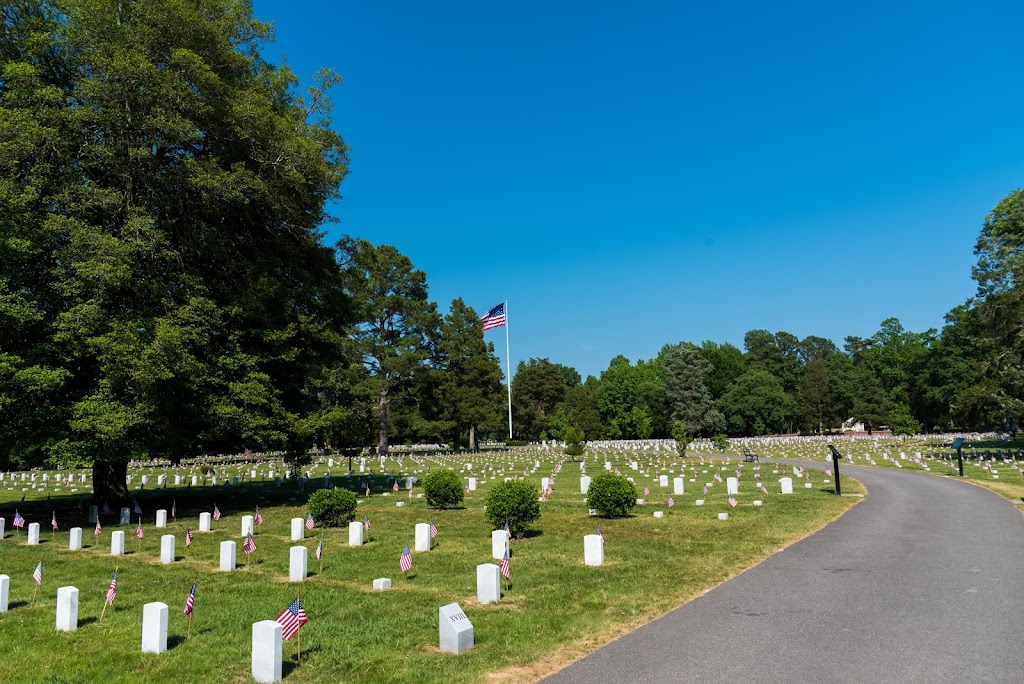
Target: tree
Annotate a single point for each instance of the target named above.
(396, 323)
(631, 399)
(537, 388)
(727, 364)
(686, 394)
(470, 392)
(870, 403)
(163, 287)
(757, 404)
(579, 409)
(815, 398)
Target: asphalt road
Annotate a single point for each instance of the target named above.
(923, 581)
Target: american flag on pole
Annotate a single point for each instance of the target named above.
(508, 532)
(190, 602)
(671, 501)
(174, 510)
(732, 501)
(112, 590)
(504, 565)
(395, 487)
(718, 478)
(98, 528)
(188, 537)
(259, 517)
(600, 534)
(705, 489)
(366, 523)
(18, 520)
(138, 509)
(138, 530)
(291, 619)
(37, 575)
(367, 489)
(647, 490)
(320, 549)
(309, 521)
(495, 318)
(433, 529)
(216, 512)
(53, 521)
(405, 562)
(249, 545)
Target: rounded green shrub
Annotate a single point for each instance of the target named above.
(515, 503)
(443, 489)
(332, 507)
(611, 495)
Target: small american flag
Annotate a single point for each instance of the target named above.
(259, 517)
(112, 590)
(138, 509)
(405, 562)
(320, 549)
(367, 489)
(718, 478)
(98, 528)
(600, 534)
(53, 521)
(309, 521)
(174, 510)
(705, 490)
(395, 487)
(495, 318)
(732, 501)
(249, 545)
(190, 602)
(508, 532)
(138, 530)
(433, 529)
(216, 512)
(291, 619)
(188, 537)
(366, 523)
(763, 488)
(671, 501)
(647, 490)
(37, 575)
(828, 471)
(504, 565)
(18, 520)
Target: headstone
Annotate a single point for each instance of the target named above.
(732, 486)
(160, 480)
(355, 533)
(298, 527)
(422, 537)
(145, 479)
(381, 584)
(455, 632)
(593, 550)
(227, 556)
(498, 541)
(195, 480)
(488, 583)
(205, 520)
(126, 517)
(247, 525)
(584, 484)
(663, 480)
(757, 502)
(177, 480)
(723, 516)
(154, 627)
(161, 518)
(677, 486)
(472, 484)
(75, 540)
(93, 512)
(699, 502)
(409, 482)
(5, 592)
(544, 482)
(67, 609)
(297, 563)
(266, 651)
(117, 543)
(33, 534)
(659, 514)
(167, 549)
(787, 485)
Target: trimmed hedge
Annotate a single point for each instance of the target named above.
(515, 503)
(611, 495)
(332, 507)
(443, 489)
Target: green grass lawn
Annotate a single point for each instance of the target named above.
(556, 609)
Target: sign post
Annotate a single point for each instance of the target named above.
(835, 467)
(958, 444)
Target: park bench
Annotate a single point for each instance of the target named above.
(749, 456)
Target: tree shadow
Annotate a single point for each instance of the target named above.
(82, 622)
(530, 534)
(174, 640)
(16, 604)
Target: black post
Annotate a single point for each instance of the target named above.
(835, 465)
(958, 444)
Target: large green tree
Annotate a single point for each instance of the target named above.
(757, 404)
(688, 400)
(537, 388)
(164, 290)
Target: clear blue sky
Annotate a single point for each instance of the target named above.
(635, 174)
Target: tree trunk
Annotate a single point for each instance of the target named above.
(109, 481)
(382, 421)
(472, 438)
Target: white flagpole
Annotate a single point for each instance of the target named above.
(508, 366)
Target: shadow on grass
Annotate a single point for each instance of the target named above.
(16, 604)
(87, 621)
(531, 534)
(174, 640)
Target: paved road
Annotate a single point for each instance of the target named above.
(923, 581)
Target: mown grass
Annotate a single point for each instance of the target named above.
(556, 609)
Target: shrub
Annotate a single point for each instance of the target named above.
(332, 507)
(573, 437)
(611, 495)
(513, 502)
(682, 438)
(443, 489)
(721, 442)
(515, 443)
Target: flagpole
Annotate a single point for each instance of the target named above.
(508, 367)
(298, 637)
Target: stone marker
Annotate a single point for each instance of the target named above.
(161, 518)
(93, 512)
(126, 517)
(67, 609)
(455, 632)
(227, 556)
(807, 485)
(659, 514)
(75, 539)
(757, 502)
(732, 485)
(472, 484)
(593, 550)
(266, 651)
(422, 537)
(663, 480)
(381, 584)
(5, 592)
(699, 502)
(298, 527)
(488, 583)
(160, 480)
(544, 482)
(355, 533)
(177, 480)
(117, 543)
(33, 534)
(247, 525)
(498, 541)
(787, 485)
(145, 479)
(677, 486)
(154, 627)
(298, 559)
(723, 516)
(584, 484)
(167, 544)
(205, 520)
(195, 480)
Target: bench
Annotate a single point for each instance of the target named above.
(749, 456)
